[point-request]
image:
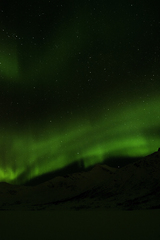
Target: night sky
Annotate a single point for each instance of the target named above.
(79, 83)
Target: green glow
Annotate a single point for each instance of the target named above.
(84, 81)
(59, 51)
(124, 133)
(9, 66)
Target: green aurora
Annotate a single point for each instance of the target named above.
(125, 133)
(79, 84)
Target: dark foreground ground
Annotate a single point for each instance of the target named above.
(103, 203)
(94, 225)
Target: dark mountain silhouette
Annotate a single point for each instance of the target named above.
(134, 186)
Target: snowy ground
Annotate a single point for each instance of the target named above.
(94, 225)
(104, 203)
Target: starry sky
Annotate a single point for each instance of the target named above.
(79, 84)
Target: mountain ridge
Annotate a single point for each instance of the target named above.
(134, 186)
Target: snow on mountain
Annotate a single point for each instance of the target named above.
(134, 186)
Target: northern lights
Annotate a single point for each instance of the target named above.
(78, 84)
(126, 135)
(9, 67)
